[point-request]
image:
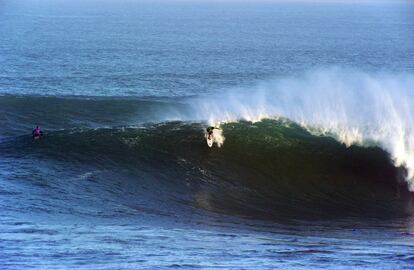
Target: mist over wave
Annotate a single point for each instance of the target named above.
(369, 109)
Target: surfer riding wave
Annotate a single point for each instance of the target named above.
(210, 132)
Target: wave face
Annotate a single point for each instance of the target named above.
(354, 107)
(273, 169)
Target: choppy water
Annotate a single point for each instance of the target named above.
(314, 102)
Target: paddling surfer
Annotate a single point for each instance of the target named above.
(37, 133)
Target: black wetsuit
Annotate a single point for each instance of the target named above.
(210, 132)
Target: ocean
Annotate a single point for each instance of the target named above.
(312, 165)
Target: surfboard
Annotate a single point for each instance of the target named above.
(210, 141)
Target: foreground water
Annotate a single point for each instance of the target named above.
(314, 102)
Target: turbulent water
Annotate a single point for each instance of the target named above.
(315, 163)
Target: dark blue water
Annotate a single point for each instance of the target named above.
(314, 102)
(168, 49)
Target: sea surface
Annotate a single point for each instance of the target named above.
(312, 165)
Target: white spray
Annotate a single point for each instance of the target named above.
(354, 107)
(218, 137)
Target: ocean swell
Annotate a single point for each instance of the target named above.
(269, 169)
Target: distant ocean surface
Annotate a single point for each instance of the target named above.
(315, 105)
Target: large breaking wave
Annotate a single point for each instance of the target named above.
(329, 142)
(354, 107)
